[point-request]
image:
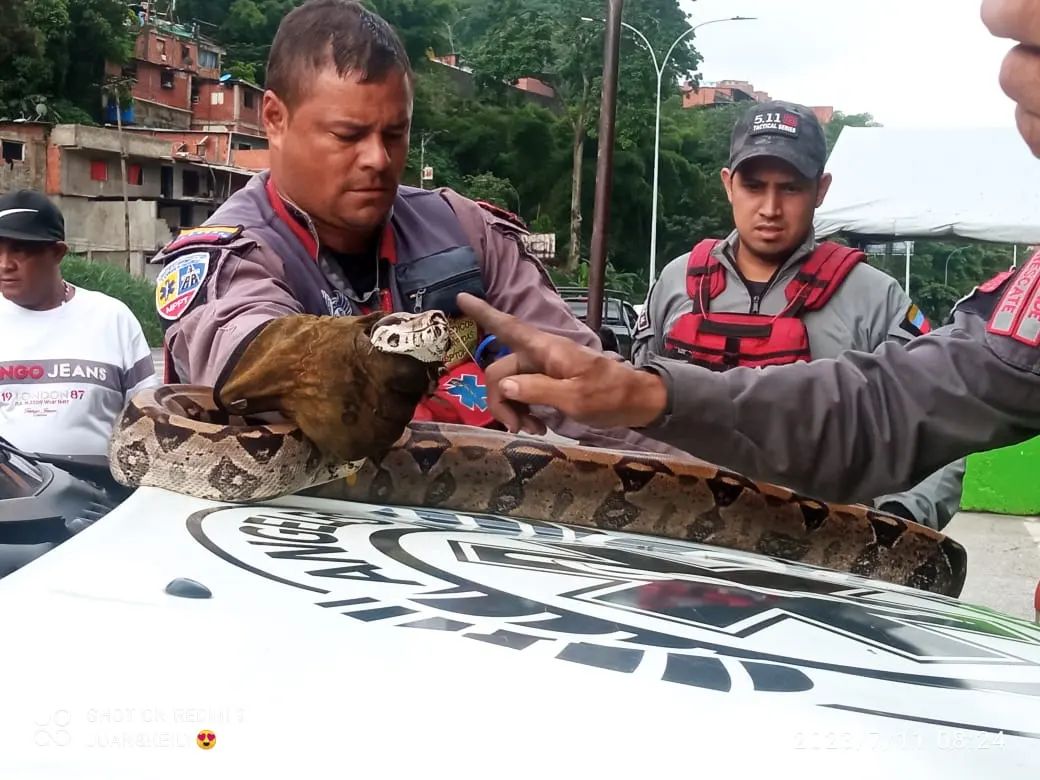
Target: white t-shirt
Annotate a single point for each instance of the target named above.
(66, 373)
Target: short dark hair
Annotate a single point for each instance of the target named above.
(339, 33)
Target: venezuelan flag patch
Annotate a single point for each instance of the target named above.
(207, 234)
(915, 322)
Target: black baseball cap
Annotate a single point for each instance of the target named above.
(788, 131)
(26, 215)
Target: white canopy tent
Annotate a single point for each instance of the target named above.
(897, 183)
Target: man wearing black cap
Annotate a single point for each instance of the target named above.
(69, 357)
(769, 294)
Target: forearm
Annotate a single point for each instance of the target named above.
(856, 427)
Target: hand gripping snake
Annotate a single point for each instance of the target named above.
(175, 437)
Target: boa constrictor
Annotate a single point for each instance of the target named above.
(175, 437)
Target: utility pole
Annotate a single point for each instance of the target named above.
(604, 165)
(122, 171)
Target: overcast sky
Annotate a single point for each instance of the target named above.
(910, 63)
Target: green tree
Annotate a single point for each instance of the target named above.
(942, 272)
(553, 43)
(421, 24)
(841, 120)
(53, 54)
(493, 189)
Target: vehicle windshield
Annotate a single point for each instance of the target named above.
(19, 477)
(612, 311)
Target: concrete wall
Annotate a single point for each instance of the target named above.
(107, 139)
(97, 229)
(76, 176)
(148, 114)
(1004, 481)
(215, 149)
(29, 172)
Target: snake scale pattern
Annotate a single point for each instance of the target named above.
(174, 437)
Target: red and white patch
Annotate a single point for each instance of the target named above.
(1028, 329)
(1016, 300)
(994, 284)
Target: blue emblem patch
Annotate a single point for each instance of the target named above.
(470, 392)
(179, 283)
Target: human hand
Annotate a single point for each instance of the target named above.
(549, 370)
(1019, 20)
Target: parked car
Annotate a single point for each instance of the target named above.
(618, 314)
(180, 637)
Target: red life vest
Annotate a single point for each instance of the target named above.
(721, 341)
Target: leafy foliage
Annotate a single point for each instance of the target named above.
(53, 53)
(942, 272)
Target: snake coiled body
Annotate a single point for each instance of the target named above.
(175, 437)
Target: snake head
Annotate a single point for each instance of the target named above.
(424, 336)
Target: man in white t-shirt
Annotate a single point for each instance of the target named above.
(69, 358)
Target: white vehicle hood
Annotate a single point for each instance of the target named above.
(381, 640)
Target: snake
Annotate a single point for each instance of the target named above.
(176, 437)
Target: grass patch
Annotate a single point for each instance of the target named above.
(138, 294)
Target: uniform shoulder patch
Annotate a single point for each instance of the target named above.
(206, 234)
(502, 214)
(992, 285)
(1017, 313)
(179, 283)
(914, 322)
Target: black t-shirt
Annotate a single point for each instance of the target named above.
(359, 270)
(757, 289)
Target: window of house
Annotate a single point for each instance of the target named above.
(190, 180)
(208, 59)
(99, 170)
(134, 174)
(247, 98)
(166, 79)
(13, 150)
(216, 97)
(161, 46)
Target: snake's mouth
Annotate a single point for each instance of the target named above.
(399, 318)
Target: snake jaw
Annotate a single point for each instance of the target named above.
(424, 336)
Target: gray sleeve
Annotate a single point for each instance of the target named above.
(864, 424)
(935, 500)
(668, 291)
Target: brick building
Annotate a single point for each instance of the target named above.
(178, 84)
(231, 105)
(730, 91)
(79, 168)
(170, 64)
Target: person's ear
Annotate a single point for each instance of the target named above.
(821, 190)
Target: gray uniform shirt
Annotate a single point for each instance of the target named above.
(850, 428)
(867, 310)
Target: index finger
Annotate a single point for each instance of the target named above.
(515, 334)
(1015, 19)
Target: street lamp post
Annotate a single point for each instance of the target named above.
(946, 270)
(660, 68)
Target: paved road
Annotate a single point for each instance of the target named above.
(1003, 555)
(1003, 560)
